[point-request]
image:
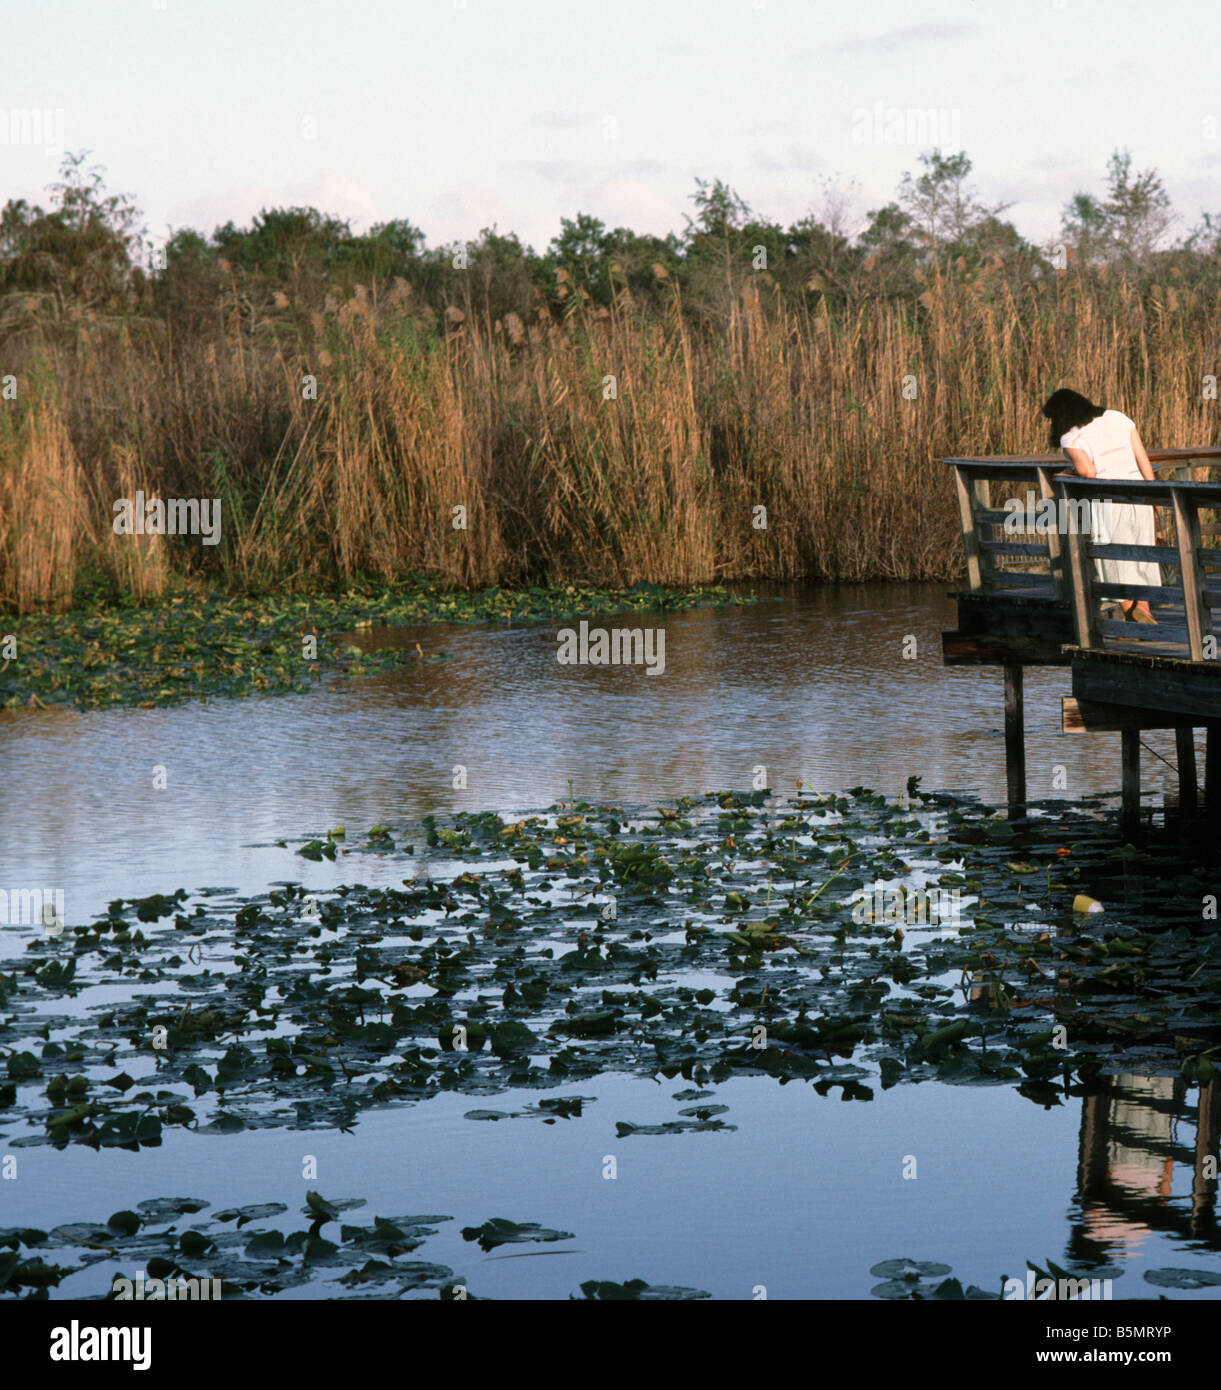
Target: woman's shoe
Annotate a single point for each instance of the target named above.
(1136, 616)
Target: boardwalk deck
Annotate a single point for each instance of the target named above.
(1035, 598)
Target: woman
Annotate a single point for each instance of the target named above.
(1102, 443)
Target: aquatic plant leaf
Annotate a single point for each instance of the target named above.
(637, 1290)
(1182, 1278)
(499, 1231)
(162, 1209)
(909, 1269)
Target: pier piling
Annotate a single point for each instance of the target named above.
(1015, 740)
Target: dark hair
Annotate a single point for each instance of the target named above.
(1066, 409)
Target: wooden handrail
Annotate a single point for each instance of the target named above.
(980, 463)
(1141, 490)
(1068, 571)
(1185, 499)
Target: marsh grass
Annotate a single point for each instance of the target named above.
(608, 447)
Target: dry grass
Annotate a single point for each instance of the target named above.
(610, 448)
(42, 505)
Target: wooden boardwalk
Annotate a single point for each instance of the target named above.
(1034, 599)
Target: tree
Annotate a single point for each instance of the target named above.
(1126, 225)
(83, 254)
(943, 205)
(581, 250)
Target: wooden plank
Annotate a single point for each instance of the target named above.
(1021, 469)
(1201, 494)
(1185, 746)
(1085, 609)
(970, 536)
(998, 579)
(1140, 491)
(1187, 531)
(1212, 772)
(1015, 548)
(1015, 741)
(1155, 554)
(971, 649)
(1028, 461)
(1145, 634)
(1130, 791)
(1055, 550)
(1187, 688)
(1153, 593)
(1090, 717)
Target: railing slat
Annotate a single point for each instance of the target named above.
(1156, 554)
(1014, 548)
(1055, 552)
(1187, 530)
(970, 536)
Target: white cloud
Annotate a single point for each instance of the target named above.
(909, 36)
(623, 202)
(332, 193)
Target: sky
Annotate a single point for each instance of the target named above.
(465, 114)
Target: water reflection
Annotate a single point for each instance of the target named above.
(1142, 1138)
(810, 684)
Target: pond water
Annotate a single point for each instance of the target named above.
(837, 686)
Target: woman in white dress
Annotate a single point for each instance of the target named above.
(1102, 443)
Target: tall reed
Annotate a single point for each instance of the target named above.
(609, 447)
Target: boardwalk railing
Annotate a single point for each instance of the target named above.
(1035, 598)
(983, 526)
(994, 551)
(1187, 604)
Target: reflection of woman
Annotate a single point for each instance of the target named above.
(1103, 443)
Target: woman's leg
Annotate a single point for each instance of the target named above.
(1132, 525)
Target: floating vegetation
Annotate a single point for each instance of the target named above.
(209, 646)
(204, 1261)
(540, 953)
(922, 1280)
(727, 935)
(499, 1231)
(247, 1263)
(637, 1290)
(543, 952)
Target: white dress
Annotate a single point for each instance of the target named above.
(1108, 442)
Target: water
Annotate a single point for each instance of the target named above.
(812, 685)
(808, 1192)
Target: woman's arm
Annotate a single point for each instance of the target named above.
(1082, 462)
(1142, 458)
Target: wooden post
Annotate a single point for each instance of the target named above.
(970, 535)
(1015, 741)
(1055, 553)
(1187, 532)
(1130, 819)
(1081, 572)
(1203, 1188)
(1212, 773)
(1185, 743)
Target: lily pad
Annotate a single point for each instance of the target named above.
(1171, 1278)
(498, 1231)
